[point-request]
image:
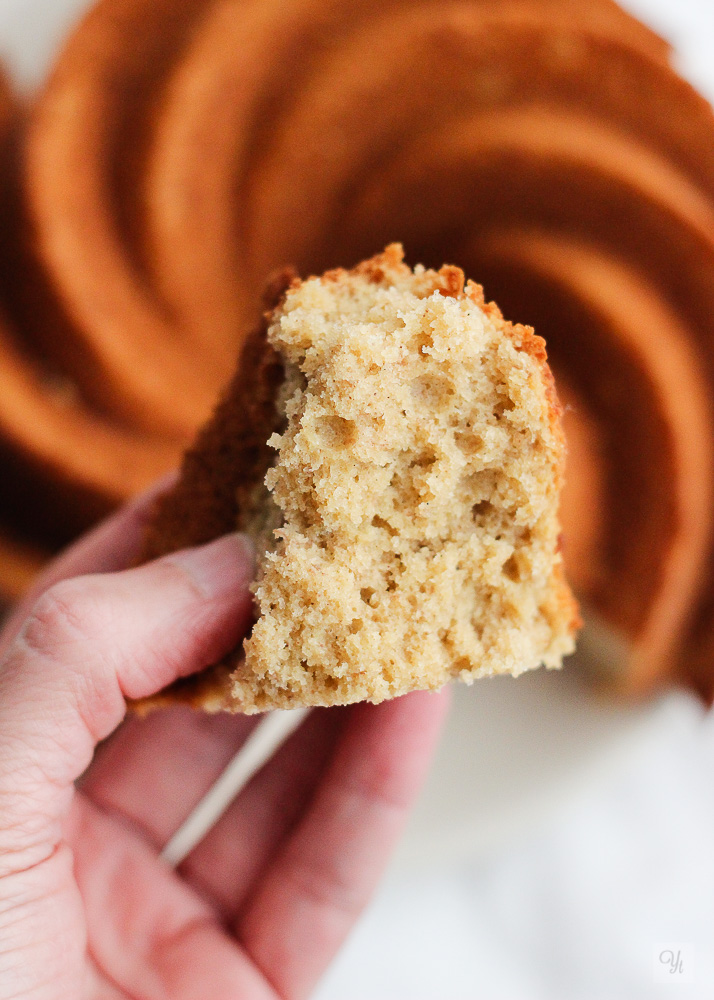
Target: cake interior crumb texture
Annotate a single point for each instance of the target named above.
(408, 527)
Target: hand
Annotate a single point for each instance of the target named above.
(87, 907)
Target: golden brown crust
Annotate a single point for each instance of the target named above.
(229, 451)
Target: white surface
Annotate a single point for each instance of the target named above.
(570, 909)
(30, 31)
(689, 26)
(512, 751)
(559, 841)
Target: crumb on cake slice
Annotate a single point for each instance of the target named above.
(408, 526)
(394, 448)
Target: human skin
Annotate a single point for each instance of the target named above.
(88, 909)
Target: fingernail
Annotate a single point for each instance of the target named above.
(221, 567)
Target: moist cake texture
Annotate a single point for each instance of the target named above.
(394, 448)
(408, 525)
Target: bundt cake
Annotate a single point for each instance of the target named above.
(181, 151)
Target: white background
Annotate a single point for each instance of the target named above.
(560, 844)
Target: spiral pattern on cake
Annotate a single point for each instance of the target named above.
(182, 150)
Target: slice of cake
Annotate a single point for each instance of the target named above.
(394, 448)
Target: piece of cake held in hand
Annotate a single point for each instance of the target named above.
(394, 449)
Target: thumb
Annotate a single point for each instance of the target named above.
(93, 641)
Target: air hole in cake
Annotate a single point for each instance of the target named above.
(424, 461)
(403, 493)
(477, 627)
(468, 442)
(483, 510)
(423, 342)
(432, 390)
(504, 405)
(512, 568)
(337, 432)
